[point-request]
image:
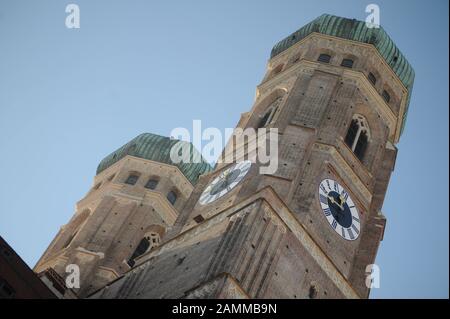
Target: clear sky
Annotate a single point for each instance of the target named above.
(70, 97)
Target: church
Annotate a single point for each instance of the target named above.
(338, 92)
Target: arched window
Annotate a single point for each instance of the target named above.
(372, 78)
(386, 96)
(147, 243)
(265, 119)
(348, 63)
(132, 179)
(172, 197)
(324, 58)
(152, 183)
(270, 113)
(357, 137)
(361, 145)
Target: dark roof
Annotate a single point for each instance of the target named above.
(355, 30)
(157, 148)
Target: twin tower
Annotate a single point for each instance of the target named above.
(338, 93)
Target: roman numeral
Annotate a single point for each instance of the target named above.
(323, 189)
(334, 224)
(336, 187)
(323, 199)
(343, 232)
(328, 184)
(356, 219)
(327, 211)
(350, 233)
(355, 229)
(345, 194)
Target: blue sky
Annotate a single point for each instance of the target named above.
(69, 97)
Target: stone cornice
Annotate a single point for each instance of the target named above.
(115, 166)
(317, 35)
(383, 109)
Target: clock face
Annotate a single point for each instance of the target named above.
(225, 182)
(339, 209)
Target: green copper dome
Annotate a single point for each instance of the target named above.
(157, 148)
(355, 30)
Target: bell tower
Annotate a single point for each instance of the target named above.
(136, 197)
(337, 93)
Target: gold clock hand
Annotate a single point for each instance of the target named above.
(342, 200)
(331, 198)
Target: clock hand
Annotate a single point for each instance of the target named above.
(331, 198)
(341, 205)
(342, 199)
(226, 179)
